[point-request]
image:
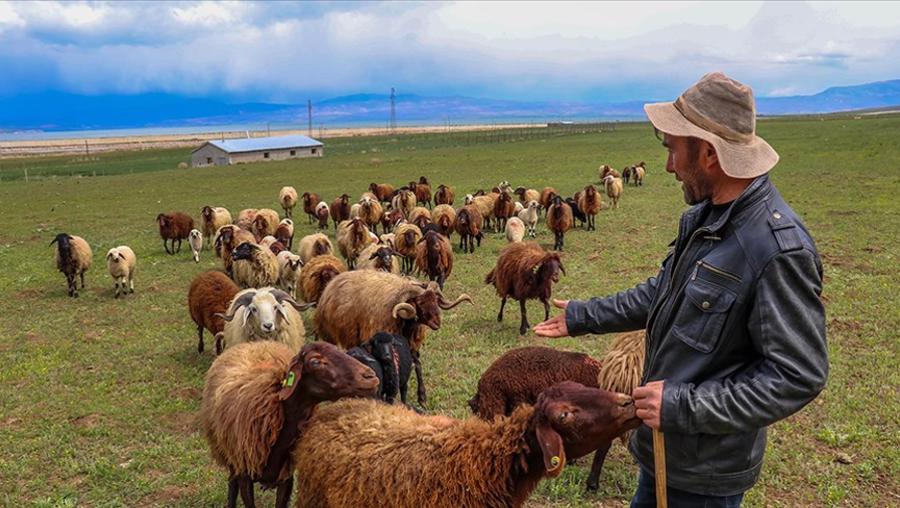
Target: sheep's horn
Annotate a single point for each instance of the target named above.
(403, 310)
(444, 304)
(241, 301)
(282, 297)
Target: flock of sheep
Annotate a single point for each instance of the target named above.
(535, 407)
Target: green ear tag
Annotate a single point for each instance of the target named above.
(289, 380)
(554, 460)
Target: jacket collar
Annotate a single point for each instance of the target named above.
(755, 192)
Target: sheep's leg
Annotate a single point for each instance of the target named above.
(283, 493)
(131, 282)
(593, 481)
(82, 280)
(232, 492)
(500, 314)
(166, 246)
(179, 245)
(523, 328)
(199, 338)
(420, 383)
(117, 288)
(546, 309)
(246, 487)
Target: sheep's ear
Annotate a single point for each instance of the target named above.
(280, 310)
(244, 318)
(291, 378)
(552, 448)
(109, 255)
(374, 255)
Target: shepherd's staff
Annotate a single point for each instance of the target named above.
(659, 462)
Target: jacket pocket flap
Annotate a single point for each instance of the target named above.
(709, 297)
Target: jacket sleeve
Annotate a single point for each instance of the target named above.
(621, 312)
(787, 327)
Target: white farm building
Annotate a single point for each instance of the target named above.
(237, 151)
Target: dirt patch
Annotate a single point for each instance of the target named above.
(842, 213)
(87, 421)
(186, 393)
(28, 293)
(182, 423)
(168, 496)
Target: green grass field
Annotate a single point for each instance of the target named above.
(98, 396)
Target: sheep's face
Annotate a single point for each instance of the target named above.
(384, 256)
(262, 314)
(330, 374)
(469, 199)
(115, 256)
(533, 205)
(163, 220)
(244, 251)
(572, 420)
(550, 268)
(195, 236)
(207, 213)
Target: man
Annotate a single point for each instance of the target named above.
(735, 328)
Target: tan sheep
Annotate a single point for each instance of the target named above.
(264, 314)
(529, 216)
(245, 219)
(254, 266)
(73, 258)
(405, 238)
(515, 230)
(316, 275)
(266, 222)
(444, 216)
(352, 238)
(211, 219)
(613, 189)
(314, 245)
(288, 272)
(121, 261)
(370, 212)
(287, 196)
(378, 256)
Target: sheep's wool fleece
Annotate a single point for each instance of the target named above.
(413, 460)
(240, 413)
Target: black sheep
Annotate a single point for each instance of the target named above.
(390, 357)
(576, 211)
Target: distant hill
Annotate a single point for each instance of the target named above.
(55, 111)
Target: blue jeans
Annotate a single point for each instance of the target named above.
(645, 496)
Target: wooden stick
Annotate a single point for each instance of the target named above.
(659, 462)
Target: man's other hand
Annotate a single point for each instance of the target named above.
(555, 326)
(648, 402)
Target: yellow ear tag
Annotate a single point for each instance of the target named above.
(554, 461)
(288, 381)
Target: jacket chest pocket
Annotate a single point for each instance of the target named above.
(702, 314)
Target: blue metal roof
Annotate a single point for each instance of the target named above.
(270, 143)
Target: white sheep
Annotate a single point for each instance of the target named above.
(263, 314)
(529, 216)
(121, 261)
(289, 271)
(515, 230)
(195, 239)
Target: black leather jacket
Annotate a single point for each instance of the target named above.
(735, 327)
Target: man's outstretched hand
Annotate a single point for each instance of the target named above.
(555, 326)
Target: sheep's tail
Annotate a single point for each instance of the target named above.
(489, 279)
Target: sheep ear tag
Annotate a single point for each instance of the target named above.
(291, 380)
(552, 448)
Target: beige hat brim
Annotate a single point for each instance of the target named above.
(738, 160)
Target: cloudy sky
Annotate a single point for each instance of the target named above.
(529, 51)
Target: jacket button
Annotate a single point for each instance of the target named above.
(776, 215)
(705, 305)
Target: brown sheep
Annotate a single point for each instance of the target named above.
(443, 195)
(420, 216)
(370, 212)
(287, 196)
(73, 257)
(589, 204)
(317, 273)
(340, 209)
(485, 205)
(352, 237)
(547, 196)
(525, 271)
(559, 220)
(503, 210)
(422, 190)
(211, 219)
(390, 220)
(367, 453)
(434, 257)
(444, 216)
(310, 200)
(358, 304)
(174, 226)
(265, 223)
(227, 238)
(257, 397)
(254, 266)
(468, 224)
(245, 219)
(626, 173)
(382, 191)
(284, 233)
(405, 238)
(209, 295)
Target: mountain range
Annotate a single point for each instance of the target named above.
(58, 111)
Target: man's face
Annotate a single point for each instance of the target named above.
(685, 161)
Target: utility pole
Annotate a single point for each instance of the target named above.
(393, 125)
(309, 117)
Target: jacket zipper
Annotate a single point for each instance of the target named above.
(715, 270)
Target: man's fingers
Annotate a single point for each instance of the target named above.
(560, 303)
(640, 392)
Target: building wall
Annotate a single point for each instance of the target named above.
(209, 155)
(276, 155)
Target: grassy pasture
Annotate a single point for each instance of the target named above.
(98, 396)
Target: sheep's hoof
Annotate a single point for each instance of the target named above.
(592, 486)
(523, 329)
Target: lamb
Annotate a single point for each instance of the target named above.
(340, 209)
(422, 190)
(355, 305)
(389, 356)
(382, 191)
(525, 271)
(245, 219)
(121, 261)
(195, 240)
(73, 258)
(322, 214)
(468, 224)
(265, 223)
(263, 313)
(434, 257)
(352, 238)
(577, 214)
(515, 230)
(211, 219)
(503, 210)
(287, 196)
(589, 204)
(370, 212)
(547, 196)
(638, 175)
(529, 216)
(420, 216)
(208, 298)
(444, 195)
(254, 266)
(444, 216)
(289, 266)
(404, 200)
(314, 245)
(405, 238)
(257, 397)
(378, 257)
(484, 205)
(284, 233)
(316, 275)
(174, 226)
(559, 220)
(227, 238)
(613, 189)
(310, 200)
(441, 462)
